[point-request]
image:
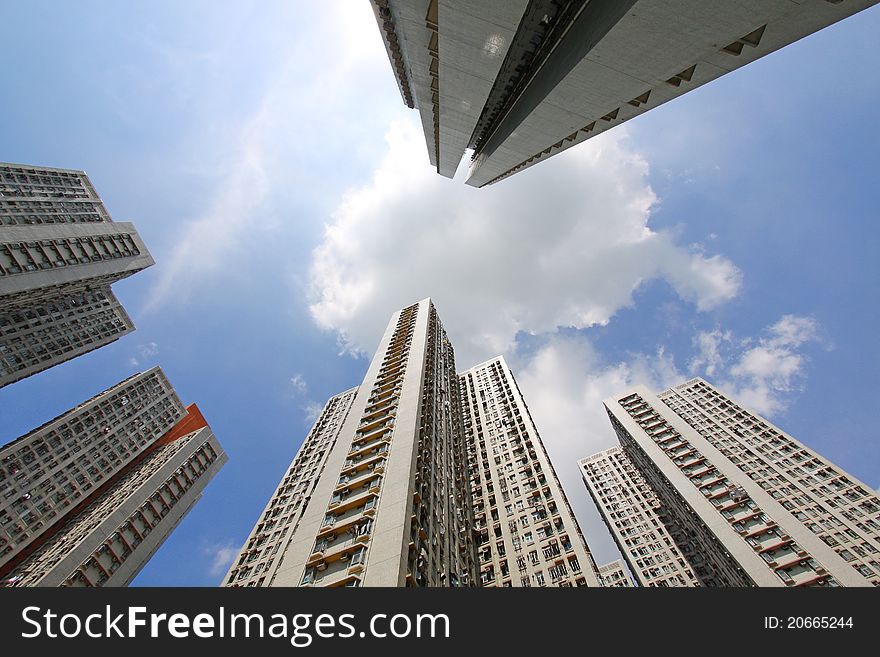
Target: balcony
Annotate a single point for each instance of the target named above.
(364, 449)
(354, 484)
(340, 548)
(376, 411)
(358, 497)
(377, 397)
(356, 468)
(385, 386)
(367, 429)
(345, 520)
(690, 463)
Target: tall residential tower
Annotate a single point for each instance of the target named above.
(59, 253)
(527, 533)
(520, 80)
(380, 494)
(644, 533)
(755, 506)
(88, 497)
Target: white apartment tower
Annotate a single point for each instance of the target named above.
(87, 498)
(59, 253)
(519, 81)
(526, 532)
(838, 508)
(758, 507)
(266, 547)
(644, 533)
(385, 477)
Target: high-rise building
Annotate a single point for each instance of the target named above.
(613, 575)
(385, 474)
(266, 547)
(518, 81)
(526, 532)
(838, 508)
(59, 253)
(759, 507)
(637, 521)
(404, 479)
(87, 498)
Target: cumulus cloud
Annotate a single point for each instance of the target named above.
(312, 410)
(219, 557)
(567, 244)
(760, 373)
(565, 381)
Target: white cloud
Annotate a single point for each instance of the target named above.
(567, 244)
(709, 344)
(145, 352)
(312, 411)
(220, 556)
(564, 383)
(760, 374)
(204, 242)
(299, 384)
(310, 408)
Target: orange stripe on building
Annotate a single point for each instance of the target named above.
(192, 421)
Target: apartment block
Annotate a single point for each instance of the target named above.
(519, 81)
(645, 534)
(87, 498)
(746, 533)
(839, 509)
(389, 504)
(59, 253)
(613, 575)
(527, 533)
(266, 547)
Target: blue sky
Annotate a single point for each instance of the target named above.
(264, 154)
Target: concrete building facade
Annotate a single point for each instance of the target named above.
(645, 534)
(59, 253)
(526, 532)
(390, 501)
(266, 547)
(746, 534)
(87, 498)
(519, 81)
(834, 505)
